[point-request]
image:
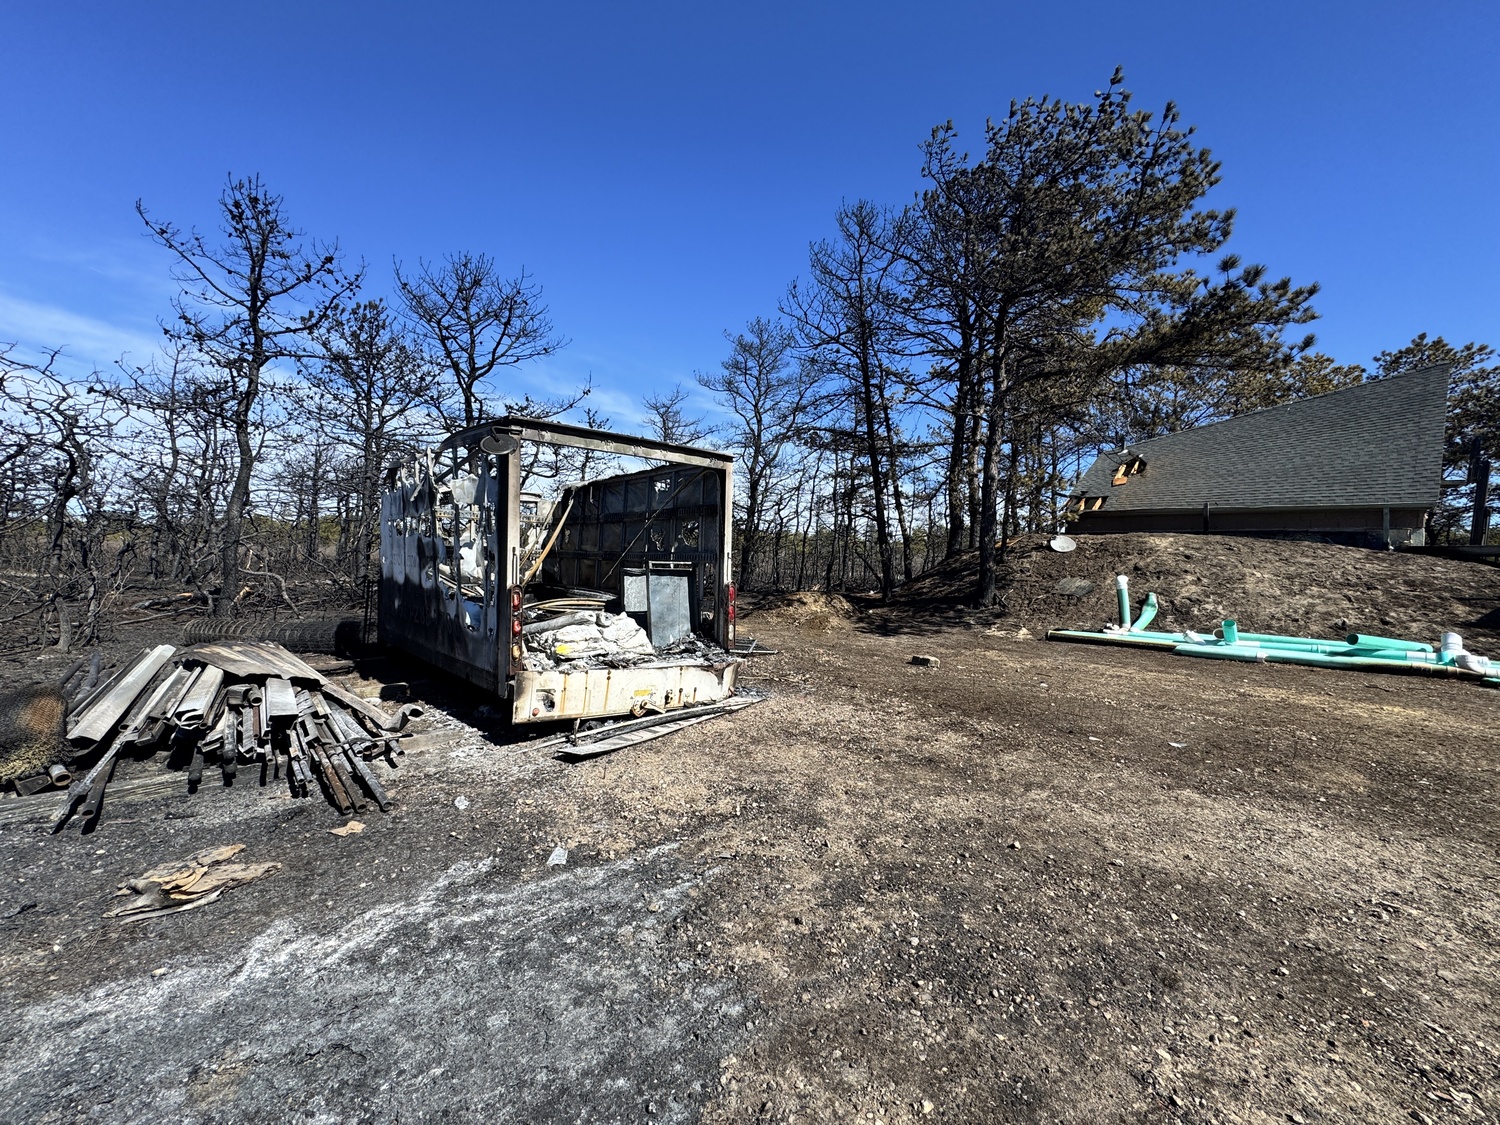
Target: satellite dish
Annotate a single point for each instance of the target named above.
(1063, 544)
(500, 444)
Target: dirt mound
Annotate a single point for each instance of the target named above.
(809, 610)
(1267, 585)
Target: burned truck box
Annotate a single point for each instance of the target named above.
(609, 596)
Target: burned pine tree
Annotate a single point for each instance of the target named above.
(365, 388)
(177, 454)
(246, 305)
(849, 320)
(60, 486)
(667, 420)
(769, 391)
(474, 322)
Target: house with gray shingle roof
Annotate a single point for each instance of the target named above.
(1361, 465)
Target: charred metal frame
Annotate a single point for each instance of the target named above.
(670, 514)
(451, 538)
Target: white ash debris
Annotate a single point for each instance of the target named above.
(578, 640)
(572, 642)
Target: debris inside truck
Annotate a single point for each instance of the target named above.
(223, 706)
(522, 557)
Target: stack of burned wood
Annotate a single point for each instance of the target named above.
(227, 705)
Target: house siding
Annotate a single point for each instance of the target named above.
(1356, 526)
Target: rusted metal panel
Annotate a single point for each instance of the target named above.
(252, 660)
(281, 701)
(98, 721)
(583, 437)
(197, 709)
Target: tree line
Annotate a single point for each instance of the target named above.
(926, 388)
(945, 368)
(253, 447)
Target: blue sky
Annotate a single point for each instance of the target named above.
(661, 168)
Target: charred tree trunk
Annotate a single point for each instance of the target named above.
(989, 497)
(871, 405)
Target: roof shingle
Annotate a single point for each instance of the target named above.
(1377, 444)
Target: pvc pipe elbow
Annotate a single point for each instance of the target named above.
(1452, 649)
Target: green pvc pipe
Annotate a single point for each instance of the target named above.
(1122, 599)
(1223, 652)
(1296, 646)
(1289, 642)
(1165, 642)
(1156, 634)
(1398, 654)
(1315, 649)
(1147, 638)
(1418, 669)
(1368, 659)
(1229, 629)
(1242, 650)
(1317, 660)
(1335, 648)
(1148, 614)
(1386, 642)
(1362, 656)
(1353, 639)
(1263, 640)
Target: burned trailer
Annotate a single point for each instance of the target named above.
(610, 596)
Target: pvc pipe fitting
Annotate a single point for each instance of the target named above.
(1366, 640)
(1148, 614)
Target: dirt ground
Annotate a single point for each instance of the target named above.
(1037, 883)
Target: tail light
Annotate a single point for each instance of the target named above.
(731, 601)
(515, 611)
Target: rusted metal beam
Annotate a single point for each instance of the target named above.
(367, 778)
(582, 437)
(374, 714)
(281, 701)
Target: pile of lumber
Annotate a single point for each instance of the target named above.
(228, 705)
